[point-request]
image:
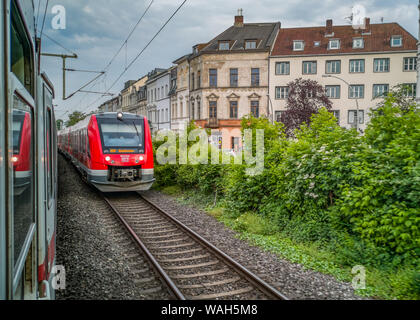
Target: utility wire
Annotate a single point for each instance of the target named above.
(37, 15)
(45, 16)
(119, 50)
(57, 43)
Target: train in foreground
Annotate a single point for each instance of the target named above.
(28, 167)
(113, 151)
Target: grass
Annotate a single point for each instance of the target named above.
(381, 282)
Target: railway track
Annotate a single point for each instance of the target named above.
(191, 267)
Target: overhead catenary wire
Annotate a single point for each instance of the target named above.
(141, 52)
(59, 44)
(45, 16)
(119, 50)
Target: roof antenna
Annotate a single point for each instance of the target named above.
(240, 11)
(382, 19)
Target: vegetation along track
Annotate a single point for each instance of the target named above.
(191, 267)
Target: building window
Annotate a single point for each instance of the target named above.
(282, 92)
(234, 109)
(192, 111)
(334, 44)
(396, 41)
(332, 92)
(279, 115)
(352, 116)
(198, 79)
(380, 90)
(233, 77)
(298, 45)
(357, 66)
(409, 90)
(282, 68)
(309, 67)
(333, 66)
(336, 114)
(250, 44)
(235, 144)
(358, 43)
(255, 109)
(213, 110)
(213, 77)
(224, 45)
(192, 81)
(410, 64)
(255, 77)
(317, 44)
(381, 65)
(198, 110)
(356, 91)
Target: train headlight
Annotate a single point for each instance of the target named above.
(14, 159)
(108, 158)
(141, 158)
(120, 116)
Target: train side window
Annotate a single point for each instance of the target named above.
(21, 165)
(21, 62)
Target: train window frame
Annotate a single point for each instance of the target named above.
(19, 29)
(18, 263)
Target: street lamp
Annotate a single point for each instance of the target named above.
(357, 101)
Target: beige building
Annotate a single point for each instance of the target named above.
(180, 112)
(356, 67)
(229, 79)
(131, 100)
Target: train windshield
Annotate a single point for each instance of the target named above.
(18, 118)
(126, 133)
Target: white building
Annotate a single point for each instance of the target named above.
(355, 66)
(158, 99)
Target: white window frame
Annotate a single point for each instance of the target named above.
(221, 43)
(357, 94)
(281, 66)
(400, 38)
(336, 41)
(354, 112)
(413, 90)
(282, 93)
(410, 64)
(336, 89)
(333, 64)
(356, 63)
(311, 63)
(249, 42)
(380, 64)
(295, 48)
(379, 90)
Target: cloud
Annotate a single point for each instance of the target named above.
(96, 29)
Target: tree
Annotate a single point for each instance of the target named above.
(75, 117)
(306, 97)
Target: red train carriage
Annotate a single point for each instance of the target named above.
(113, 151)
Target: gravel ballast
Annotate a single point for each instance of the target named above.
(289, 278)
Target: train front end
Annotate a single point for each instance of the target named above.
(122, 154)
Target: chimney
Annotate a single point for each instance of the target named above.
(239, 19)
(367, 24)
(329, 28)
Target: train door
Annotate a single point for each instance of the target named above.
(20, 166)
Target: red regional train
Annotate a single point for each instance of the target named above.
(113, 151)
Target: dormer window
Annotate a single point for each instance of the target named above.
(250, 44)
(358, 43)
(195, 50)
(224, 45)
(298, 45)
(396, 41)
(334, 44)
(317, 44)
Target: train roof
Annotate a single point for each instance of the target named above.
(105, 115)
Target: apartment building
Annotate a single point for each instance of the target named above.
(112, 105)
(229, 79)
(132, 97)
(356, 66)
(180, 114)
(158, 99)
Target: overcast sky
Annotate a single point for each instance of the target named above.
(95, 30)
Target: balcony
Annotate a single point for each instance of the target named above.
(212, 123)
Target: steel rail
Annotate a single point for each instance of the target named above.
(248, 275)
(168, 281)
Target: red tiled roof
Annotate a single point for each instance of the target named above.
(377, 40)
